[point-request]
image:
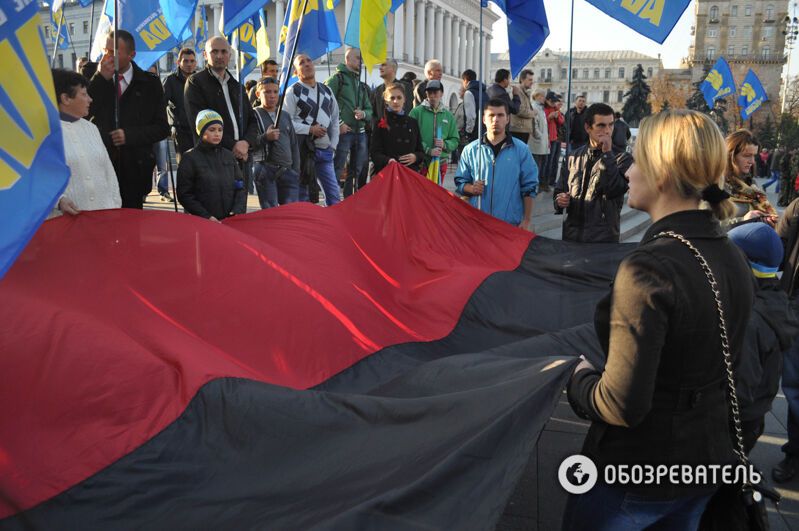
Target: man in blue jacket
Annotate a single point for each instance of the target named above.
(499, 169)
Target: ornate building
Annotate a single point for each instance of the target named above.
(747, 33)
(600, 76)
(447, 30)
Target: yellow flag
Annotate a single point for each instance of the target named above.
(373, 35)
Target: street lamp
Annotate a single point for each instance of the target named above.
(791, 33)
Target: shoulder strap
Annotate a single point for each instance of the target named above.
(735, 409)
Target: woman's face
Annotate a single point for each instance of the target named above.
(745, 159)
(395, 99)
(642, 190)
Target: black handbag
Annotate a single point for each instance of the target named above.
(740, 506)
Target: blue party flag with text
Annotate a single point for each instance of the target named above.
(719, 83)
(752, 95)
(653, 19)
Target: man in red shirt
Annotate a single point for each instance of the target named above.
(555, 119)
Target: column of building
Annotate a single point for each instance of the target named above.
(462, 45)
(430, 37)
(447, 59)
(399, 33)
(410, 40)
(420, 32)
(279, 15)
(438, 52)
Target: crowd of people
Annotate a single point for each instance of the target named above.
(698, 300)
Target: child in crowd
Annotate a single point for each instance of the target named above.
(432, 117)
(210, 182)
(770, 331)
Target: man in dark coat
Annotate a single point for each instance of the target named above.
(175, 108)
(214, 88)
(499, 90)
(142, 118)
(592, 183)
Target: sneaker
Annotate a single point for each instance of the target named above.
(785, 469)
(166, 197)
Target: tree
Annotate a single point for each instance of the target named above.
(636, 106)
(666, 95)
(767, 133)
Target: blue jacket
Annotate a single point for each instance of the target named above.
(508, 179)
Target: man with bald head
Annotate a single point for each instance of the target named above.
(214, 88)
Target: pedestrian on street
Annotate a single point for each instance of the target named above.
(661, 398)
(539, 139)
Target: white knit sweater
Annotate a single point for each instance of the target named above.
(93, 182)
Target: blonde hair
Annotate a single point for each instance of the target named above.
(685, 151)
(539, 92)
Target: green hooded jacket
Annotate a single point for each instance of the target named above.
(350, 94)
(427, 117)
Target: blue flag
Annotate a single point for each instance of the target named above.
(653, 19)
(243, 40)
(178, 15)
(319, 31)
(528, 28)
(57, 17)
(752, 95)
(201, 31)
(237, 12)
(145, 20)
(33, 173)
(719, 83)
(86, 3)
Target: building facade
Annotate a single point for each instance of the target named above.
(447, 30)
(747, 33)
(602, 76)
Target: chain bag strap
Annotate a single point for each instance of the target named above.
(753, 513)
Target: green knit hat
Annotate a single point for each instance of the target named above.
(205, 118)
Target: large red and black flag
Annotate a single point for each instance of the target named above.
(387, 363)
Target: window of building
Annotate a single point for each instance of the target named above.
(730, 50)
(766, 52)
(621, 73)
(748, 11)
(74, 60)
(563, 73)
(649, 72)
(748, 32)
(47, 31)
(769, 12)
(711, 52)
(85, 27)
(712, 33)
(605, 96)
(543, 74)
(585, 73)
(61, 61)
(607, 73)
(768, 32)
(596, 73)
(733, 31)
(620, 96)
(734, 11)
(745, 50)
(714, 13)
(574, 73)
(72, 28)
(549, 74)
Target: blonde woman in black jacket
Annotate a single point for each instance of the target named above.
(661, 398)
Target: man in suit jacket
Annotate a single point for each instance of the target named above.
(142, 117)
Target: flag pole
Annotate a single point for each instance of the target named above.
(116, 65)
(57, 37)
(479, 110)
(291, 61)
(91, 32)
(569, 89)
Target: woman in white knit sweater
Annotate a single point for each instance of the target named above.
(93, 182)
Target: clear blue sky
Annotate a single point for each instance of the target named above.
(593, 30)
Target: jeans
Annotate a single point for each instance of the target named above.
(326, 175)
(161, 153)
(275, 191)
(606, 508)
(541, 163)
(355, 146)
(775, 178)
(552, 163)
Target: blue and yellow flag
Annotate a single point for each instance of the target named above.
(237, 12)
(178, 15)
(33, 173)
(366, 29)
(251, 41)
(719, 83)
(653, 19)
(56, 17)
(319, 32)
(145, 20)
(201, 31)
(528, 28)
(752, 95)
